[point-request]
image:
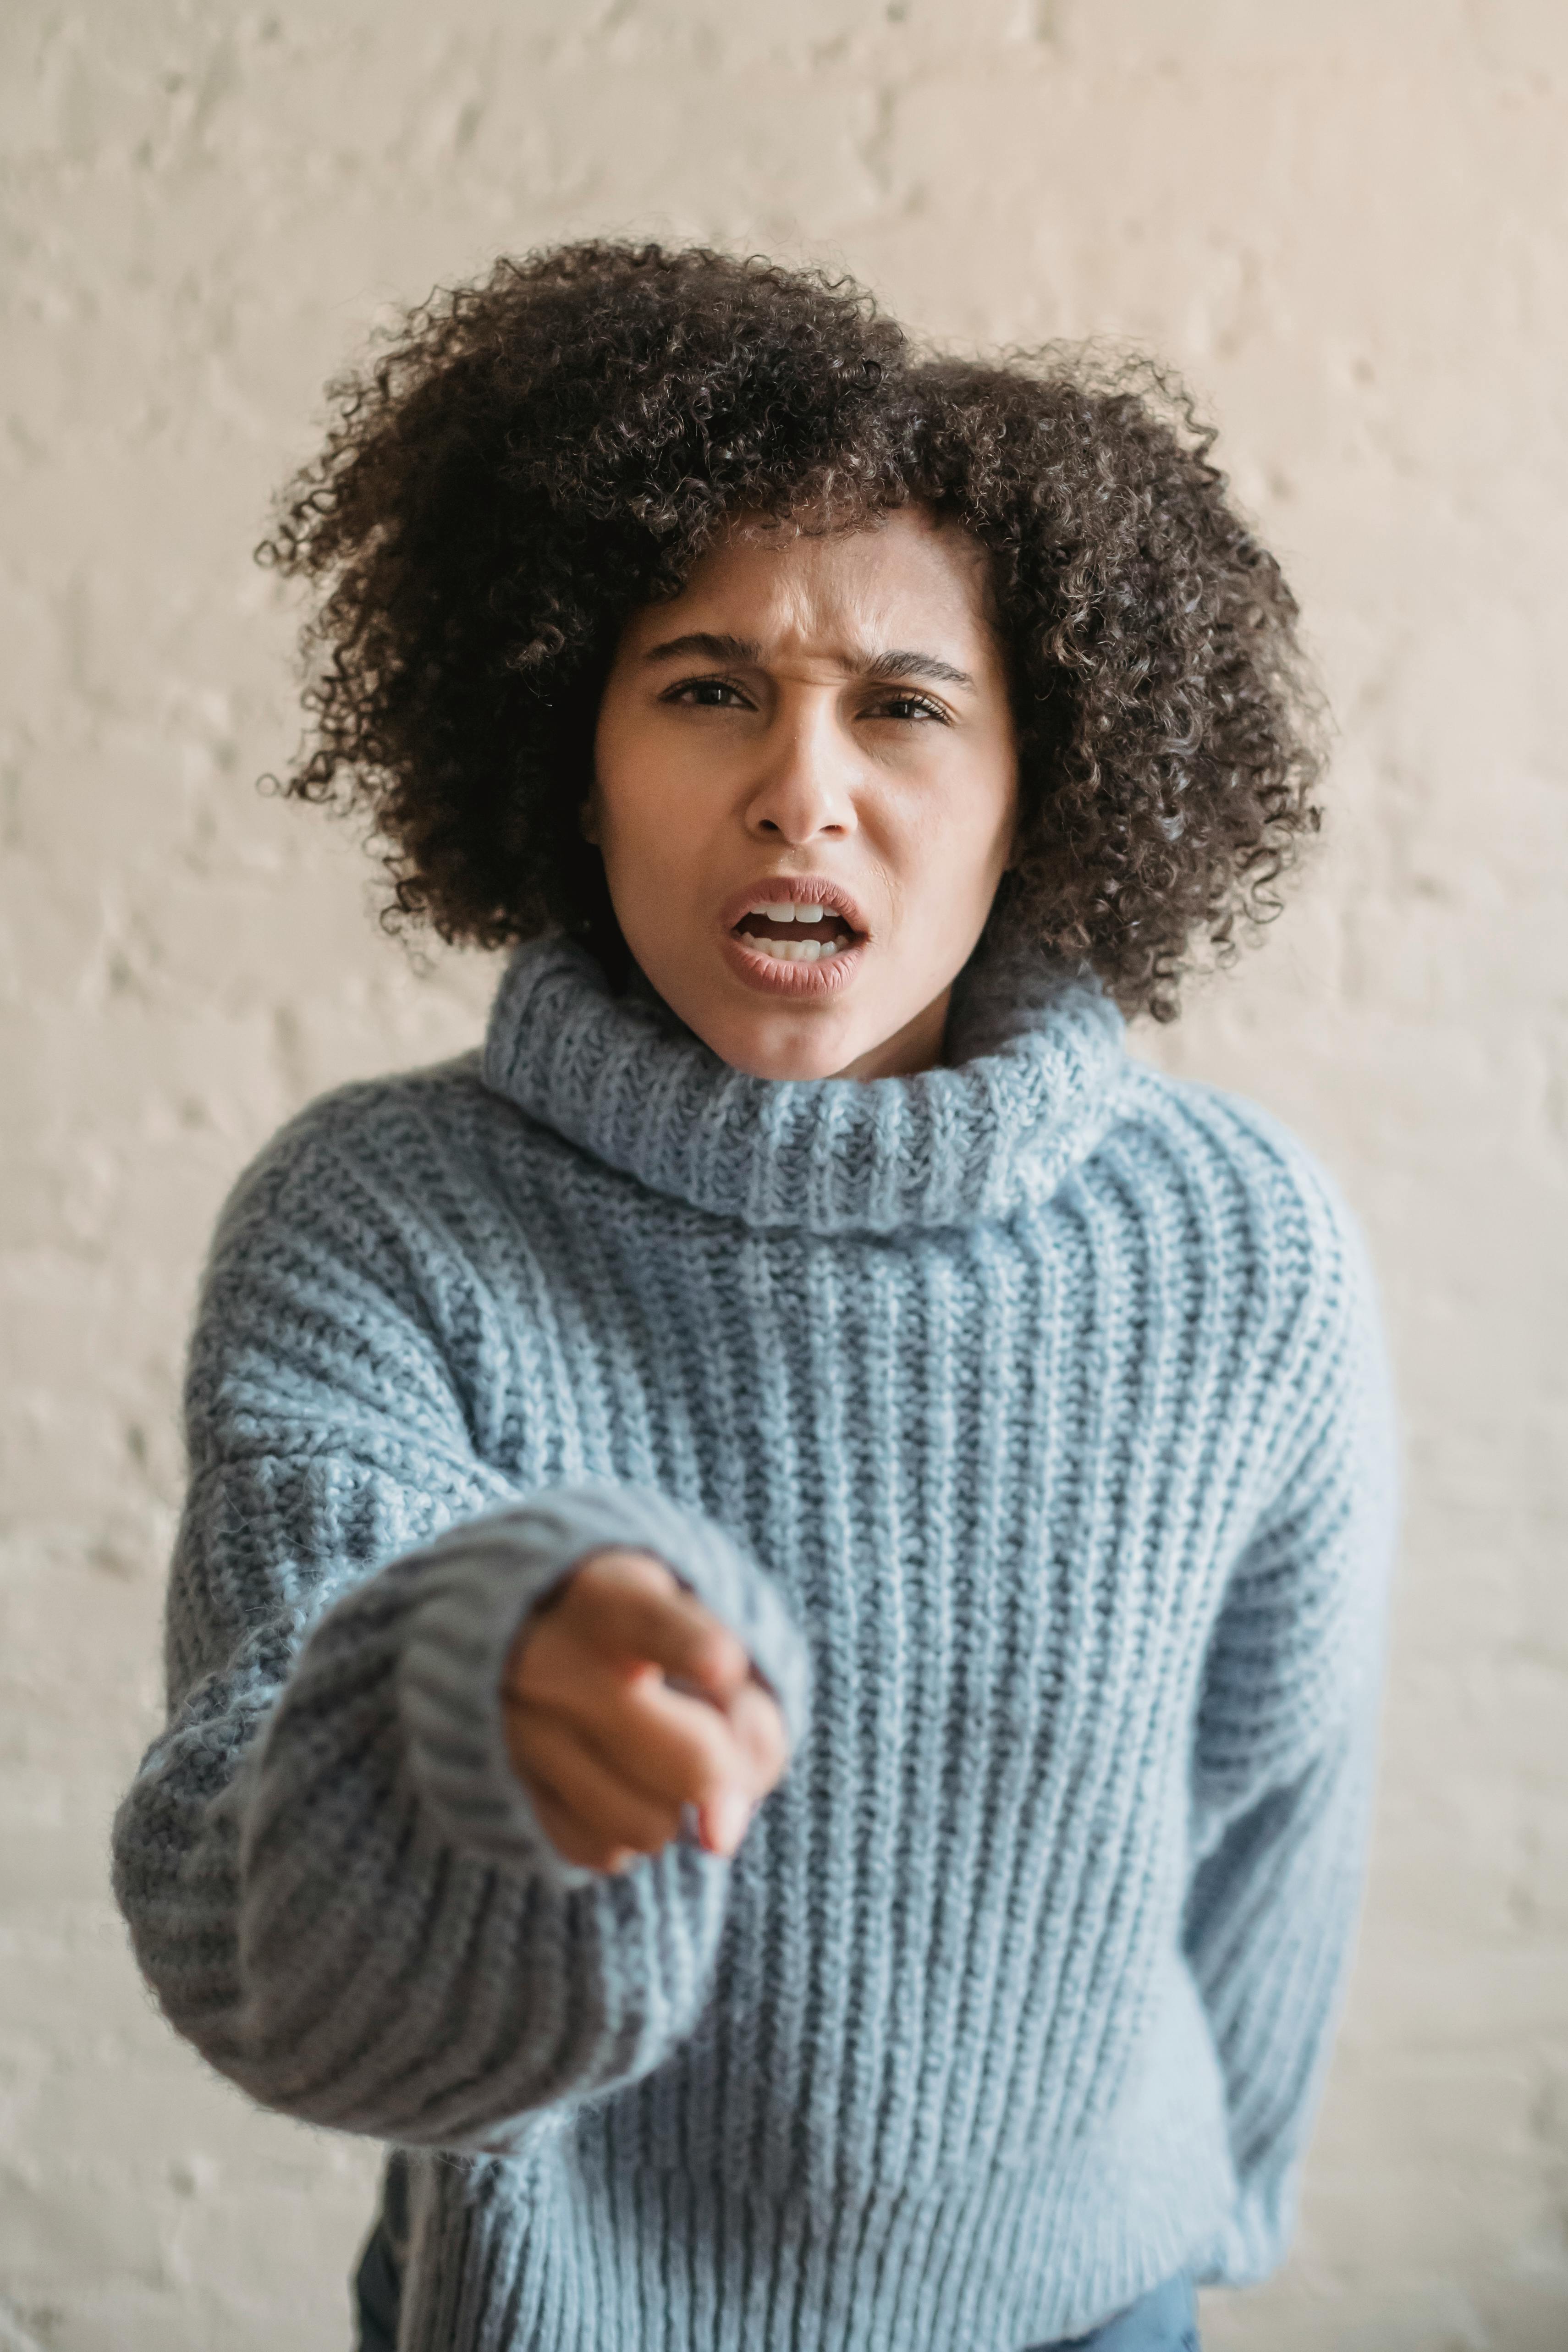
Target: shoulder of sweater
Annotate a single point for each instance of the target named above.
(389, 1134)
(1294, 1225)
(331, 1238)
(1194, 1123)
(1280, 1229)
(368, 1122)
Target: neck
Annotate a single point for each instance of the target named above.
(1034, 1073)
(918, 1046)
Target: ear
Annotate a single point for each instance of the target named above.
(588, 822)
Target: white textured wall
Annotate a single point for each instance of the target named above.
(1347, 223)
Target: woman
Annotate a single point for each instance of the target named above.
(773, 1652)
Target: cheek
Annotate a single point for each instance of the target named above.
(959, 843)
(649, 833)
(628, 789)
(614, 765)
(993, 807)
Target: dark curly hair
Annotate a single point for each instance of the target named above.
(537, 454)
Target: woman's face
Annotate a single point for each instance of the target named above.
(806, 785)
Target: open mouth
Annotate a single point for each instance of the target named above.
(795, 931)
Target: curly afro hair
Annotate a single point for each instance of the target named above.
(537, 454)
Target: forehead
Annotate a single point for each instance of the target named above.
(871, 585)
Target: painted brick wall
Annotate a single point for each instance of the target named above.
(1347, 222)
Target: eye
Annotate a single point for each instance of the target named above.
(705, 694)
(906, 707)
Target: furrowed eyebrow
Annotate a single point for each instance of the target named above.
(702, 647)
(701, 644)
(913, 665)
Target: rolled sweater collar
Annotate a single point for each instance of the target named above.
(1036, 1066)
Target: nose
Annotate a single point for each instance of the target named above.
(803, 788)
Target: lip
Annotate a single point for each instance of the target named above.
(774, 979)
(799, 890)
(767, 974)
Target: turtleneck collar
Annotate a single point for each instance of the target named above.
(1035, 1069)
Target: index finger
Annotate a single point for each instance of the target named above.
(668, 1628)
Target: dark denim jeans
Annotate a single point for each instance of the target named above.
(1165, 2321)
(378, 2282)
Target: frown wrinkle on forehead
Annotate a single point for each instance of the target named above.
(706, 644)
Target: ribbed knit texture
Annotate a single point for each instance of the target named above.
(1027, 1420)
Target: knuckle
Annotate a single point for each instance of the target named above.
(592, 1844)
(703, 1786)
(640, 1831)
(619, 1567)
(710, 1760)
(629, 1815)
(723, 1650)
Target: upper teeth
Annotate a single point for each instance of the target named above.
(789, 911)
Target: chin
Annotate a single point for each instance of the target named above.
(785, 1062)
(781, 1050)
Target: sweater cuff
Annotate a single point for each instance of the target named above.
(477, 1582)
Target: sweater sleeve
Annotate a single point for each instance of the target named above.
(335, 1883)
(1284, 1762)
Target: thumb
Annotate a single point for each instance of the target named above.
(723, 1820)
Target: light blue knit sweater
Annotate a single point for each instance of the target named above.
(1026, 1418)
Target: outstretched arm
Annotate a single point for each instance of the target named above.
(336, 1880)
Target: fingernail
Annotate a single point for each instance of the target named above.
(730, 1814)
